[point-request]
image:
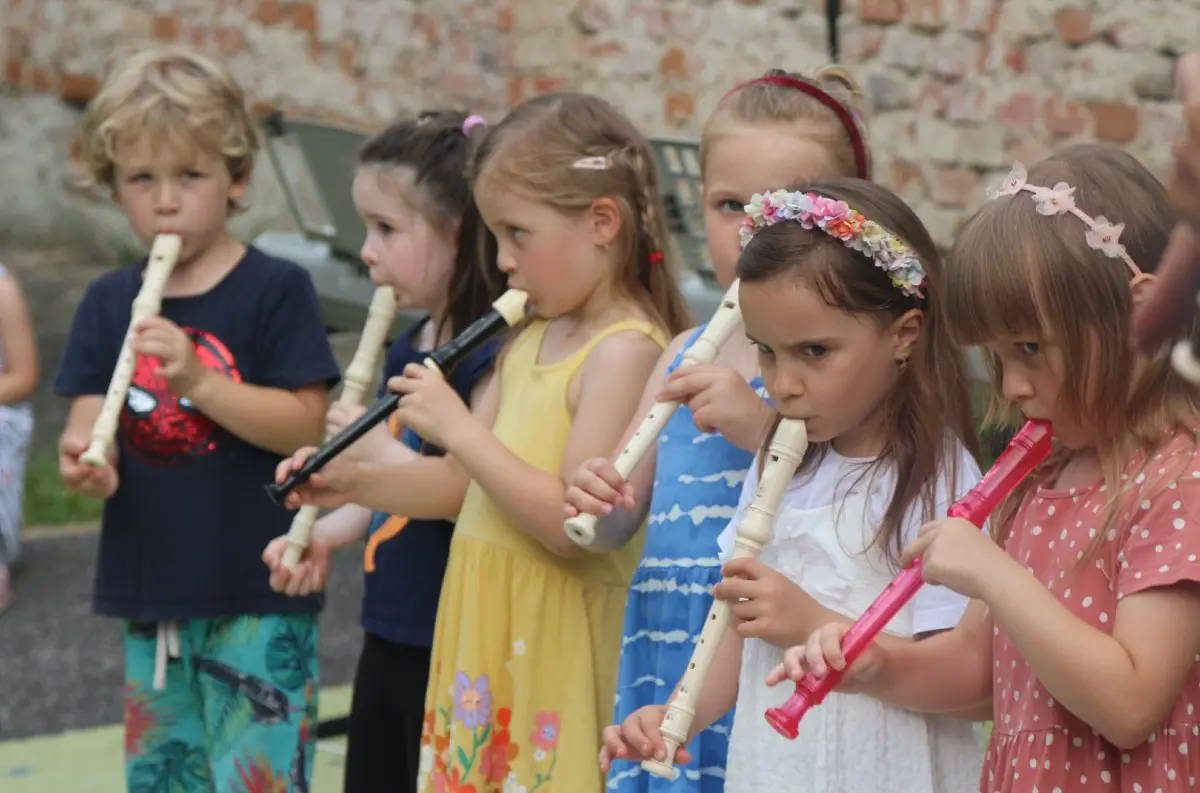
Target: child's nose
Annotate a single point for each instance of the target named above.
(506, 263)
(166, 198)
(368, 256)
(1016, 387)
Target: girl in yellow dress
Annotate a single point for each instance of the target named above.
(529, 626)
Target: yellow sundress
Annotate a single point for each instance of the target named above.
(526, 644)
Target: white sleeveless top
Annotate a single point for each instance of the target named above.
(822, 541)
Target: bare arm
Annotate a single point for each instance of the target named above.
(345, 525)
(720, 690)
(622, 522)
(1123, 684)
(270, 418)
(18, 375)
(611, 381)
(949, 673)
(426, 487)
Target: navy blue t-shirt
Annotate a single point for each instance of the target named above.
(400, 598)
(182, 538)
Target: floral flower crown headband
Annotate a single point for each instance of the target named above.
(840, 221)
(1101, 235)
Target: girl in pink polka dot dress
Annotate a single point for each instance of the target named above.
(1083, 634)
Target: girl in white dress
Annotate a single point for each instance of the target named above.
(839, 292)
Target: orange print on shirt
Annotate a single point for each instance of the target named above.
(394, 524)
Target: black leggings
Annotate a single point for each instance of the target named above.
(387, 707)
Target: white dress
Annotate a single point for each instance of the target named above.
(850, 743)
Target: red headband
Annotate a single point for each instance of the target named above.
(844, 115)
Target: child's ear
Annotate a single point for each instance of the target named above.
(604, 220)
(239, 185)
(905, 331)
(1142, 287)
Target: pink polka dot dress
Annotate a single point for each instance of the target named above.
(1037, 746)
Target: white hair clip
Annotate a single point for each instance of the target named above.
(591, 164)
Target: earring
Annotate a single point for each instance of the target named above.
(903, 364)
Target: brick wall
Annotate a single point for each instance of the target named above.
(960, 86)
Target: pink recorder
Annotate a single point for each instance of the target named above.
(1028, 448)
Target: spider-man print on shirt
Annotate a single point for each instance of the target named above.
(159, 426)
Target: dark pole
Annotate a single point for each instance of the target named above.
(833, 9)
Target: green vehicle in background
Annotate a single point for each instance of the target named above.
(328, 248)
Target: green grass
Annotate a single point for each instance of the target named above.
(48, 503)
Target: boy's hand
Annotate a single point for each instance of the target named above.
(81, 478)
(178, 365)
(596, 488)
(721, 401)
(312, 571)
(638, 738)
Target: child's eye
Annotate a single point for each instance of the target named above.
(815, 350)
(763, 349)
(1028, 347)
(384, 228)
(516, 233)
(732, 205)
(192, 175)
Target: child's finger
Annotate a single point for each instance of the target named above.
(916, 548)
(777, 674)
(652, 741)
(293, 585)
(318, 577)
(682, 384)
(280, 578)
(583, 503)
(614, 743)
(607, 472)
(795, 662)
(830, 644)
(634, 736)
(597, 488)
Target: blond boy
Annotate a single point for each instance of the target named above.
(232, 375)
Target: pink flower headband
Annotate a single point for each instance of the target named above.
(1101, 235)
(838, 220)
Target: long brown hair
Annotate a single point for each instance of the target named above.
(1015, 271)
(930, 406)
(534, 150)
(437, 154)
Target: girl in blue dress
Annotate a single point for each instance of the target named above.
(778, 129)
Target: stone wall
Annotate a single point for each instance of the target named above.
(960, 87)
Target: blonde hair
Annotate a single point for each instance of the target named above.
(1015, 271)
(543, 149)
(778, 97)
(178, 99)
